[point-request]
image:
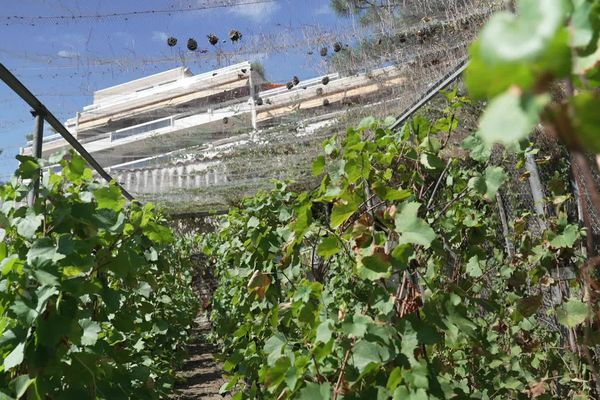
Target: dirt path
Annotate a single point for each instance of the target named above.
(201, 375)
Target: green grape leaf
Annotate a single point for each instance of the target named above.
(46, 278)
(324, 332)
(57, 157)
(43, 251)
(109, 197)
(373, 267)
(572, 313)
(366, 353)
(158, 233)
(412, 228)
(357, 326)
(10, 264)
(343, 209)
(400, 256)
(567, 238)
(75, 169)
(525, 35)
(91, 329)
(28, 225)
(318, 166)
(253, 222)
(22, 383)
(494, 179)
(585, 19)
(522, 112)
(432, 144)
(386, 192)
(473, 268)
(314, 391)
(505, 76)
(277, 373)
(144, 289)
(28, 167)
(329, 246)
(431, 161)
(24, 310)
(479, 151)
(394, 379)
(477, 183)
(273, 348)
(15, 357)
(353, 169)
(367, 123)
(389, 121)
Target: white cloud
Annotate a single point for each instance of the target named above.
(68, 54)
(259, 12)
(159, 36)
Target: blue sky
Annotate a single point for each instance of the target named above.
(63, 60)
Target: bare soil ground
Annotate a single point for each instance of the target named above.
(201, 375)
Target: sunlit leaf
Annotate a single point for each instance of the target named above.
(510, 106)
(412, 228)
(109, 197)
(572, 313)
(91, 329)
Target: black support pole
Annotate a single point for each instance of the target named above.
(436, 87)
(41, 109)
(38, 135)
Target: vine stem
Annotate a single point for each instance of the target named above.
(437, 184)
(462, 194)
(592, 262)
(338, 384)
(321, 377)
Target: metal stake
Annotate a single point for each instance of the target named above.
(38, 135)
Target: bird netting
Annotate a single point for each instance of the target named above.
(202, 119)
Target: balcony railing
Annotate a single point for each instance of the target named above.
(47, 139)
(142, 128)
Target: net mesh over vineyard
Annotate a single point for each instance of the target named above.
(223, 123)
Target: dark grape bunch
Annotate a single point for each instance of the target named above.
(192, 45)
(323, 51)
(213, 39)
(235, 35)
(171, 41)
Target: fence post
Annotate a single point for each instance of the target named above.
(537, 191)
(38, 135)
(504, 222)
(252, 99)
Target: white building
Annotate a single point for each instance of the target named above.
(171, 133)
